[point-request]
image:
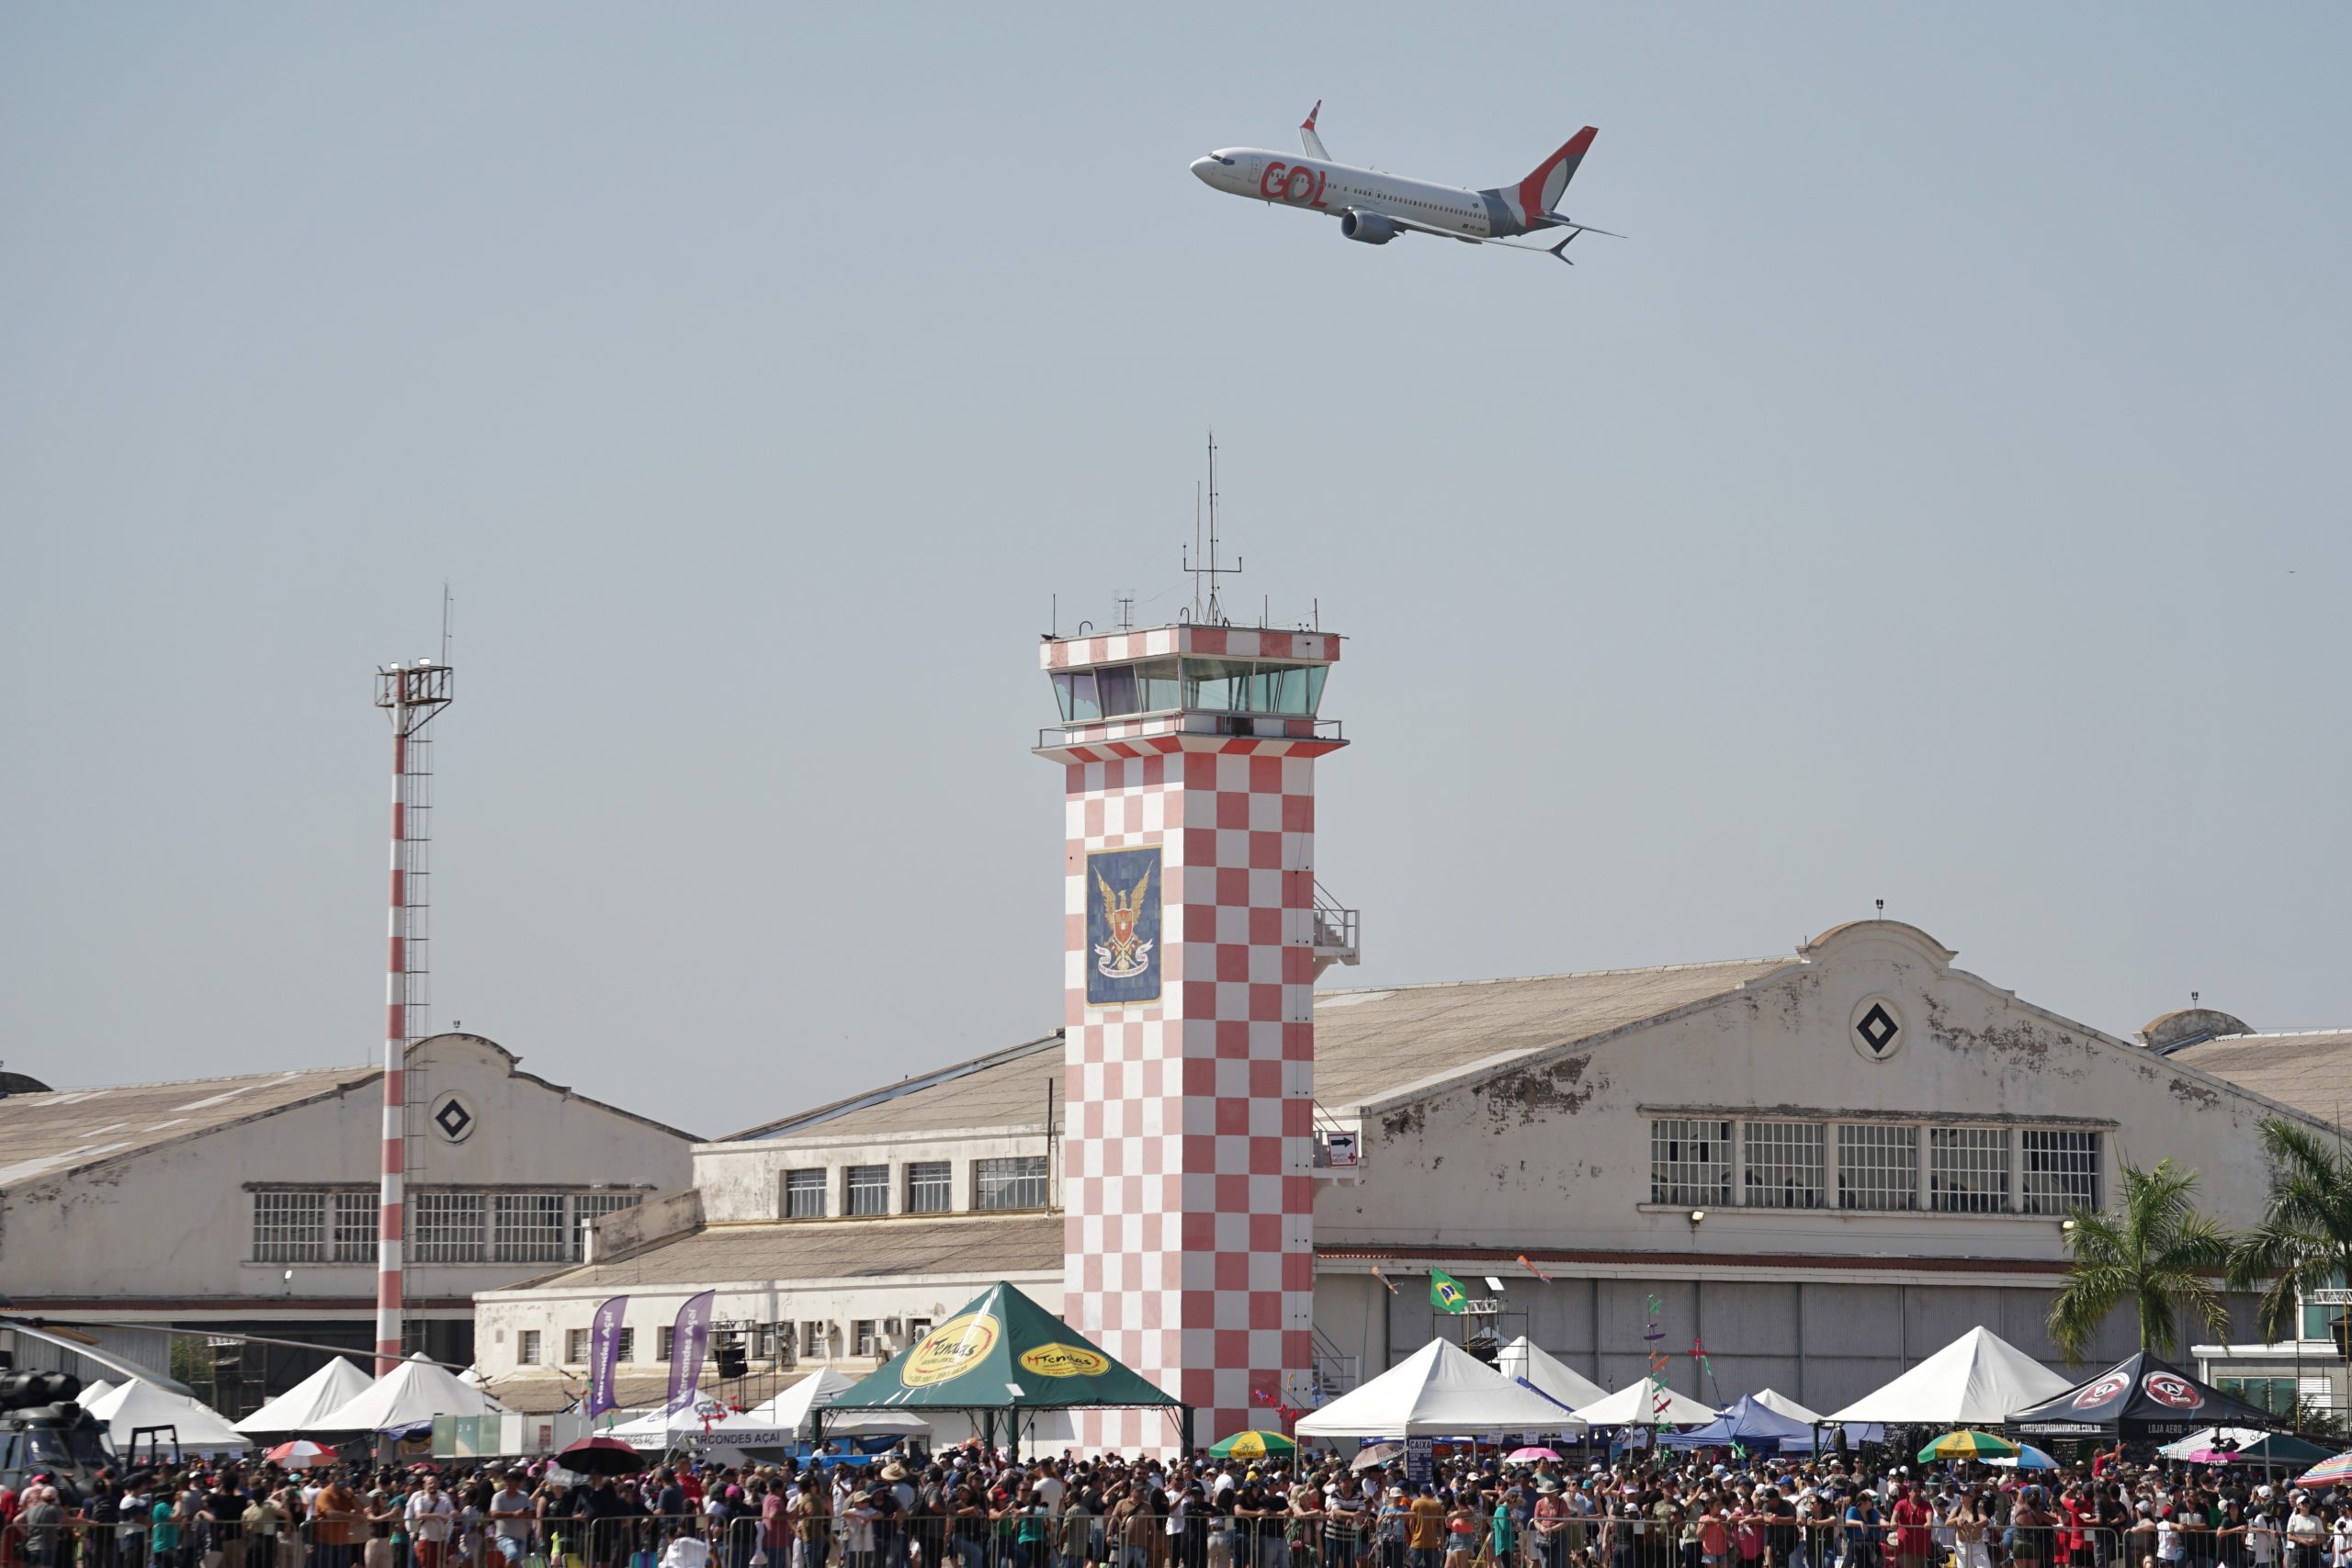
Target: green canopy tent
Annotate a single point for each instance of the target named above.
(1004, 1355)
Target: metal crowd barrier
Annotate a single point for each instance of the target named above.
(1075, 1540)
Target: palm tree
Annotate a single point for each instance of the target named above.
(2154, 1250)
(2304, 1242)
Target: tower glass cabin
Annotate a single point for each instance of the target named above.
(1191, 939)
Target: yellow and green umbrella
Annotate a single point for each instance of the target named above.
(1255, 1444)
(1968, 1444)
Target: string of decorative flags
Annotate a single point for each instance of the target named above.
(1706, 1367)
(1659, 1357)
(1288, 1413)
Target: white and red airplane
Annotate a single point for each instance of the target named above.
(1373, 208)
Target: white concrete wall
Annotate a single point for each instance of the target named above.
(501, 1317)
(746, 1180)
(176, 1223)
(1556, 1151)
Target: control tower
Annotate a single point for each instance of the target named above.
(1192, 935)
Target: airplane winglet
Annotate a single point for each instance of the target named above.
(1308, 136)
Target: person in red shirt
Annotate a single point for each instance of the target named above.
(1912, 1520)
(2073, 1544)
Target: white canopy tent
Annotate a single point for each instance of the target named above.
(702, 1424)
(92, 1392)
(1977, 1380)
(791, 1409)
(134, 1411)
(1441, 1390)
(410, 1394)
(299, 1409)
(1524, 1361)
(1780, 1403)
(1637, 1404)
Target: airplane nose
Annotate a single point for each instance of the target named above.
(1204, 169)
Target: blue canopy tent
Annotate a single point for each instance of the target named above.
(1749, 1425)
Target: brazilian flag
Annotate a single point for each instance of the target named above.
(1446, 1294)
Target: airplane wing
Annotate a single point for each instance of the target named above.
(1306, 136)
(1420, 228)
(1563, 220)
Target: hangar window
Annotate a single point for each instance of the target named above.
(1784, 1164)
(526, 1348)
(451, 1227)
(2061, 1171)
(1878, 1166)
(865, 1189)
(575, 1347)
(1968, 1169)
(589, 1207)
(354, 1227)
(1690, 1162)
(1015, 1184)
(804, 1193)
(816, 1339)
(930, 1186)
(527, 1227)
(289, 1227)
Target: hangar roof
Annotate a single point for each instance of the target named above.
(1368, 1045)
(62, 1130)
(978, 1245)
(57, 1131)
(2311, 1071)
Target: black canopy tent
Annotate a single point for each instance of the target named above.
(2140, 1397)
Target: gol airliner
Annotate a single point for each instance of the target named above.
(1373, 208)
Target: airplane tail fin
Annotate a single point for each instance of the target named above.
(1539, 192)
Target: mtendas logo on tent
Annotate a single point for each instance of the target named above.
(950, 1350)
(1058, 1360)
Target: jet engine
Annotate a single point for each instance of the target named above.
(1370, 228)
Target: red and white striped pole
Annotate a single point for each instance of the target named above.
(391, 1217)
(411, 698)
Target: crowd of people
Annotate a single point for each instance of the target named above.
(968, 1507)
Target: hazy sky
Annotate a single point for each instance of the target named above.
(1940, 498)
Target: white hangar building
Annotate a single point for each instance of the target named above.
(1823, 1165)
(248, 1204)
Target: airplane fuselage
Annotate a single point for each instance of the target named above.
(1316, 184)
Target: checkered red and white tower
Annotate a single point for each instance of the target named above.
(1193, 942)
(409, 699)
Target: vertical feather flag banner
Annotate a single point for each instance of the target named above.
(1531, 1267)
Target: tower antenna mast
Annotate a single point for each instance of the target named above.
(409, 699)
(1209, 612)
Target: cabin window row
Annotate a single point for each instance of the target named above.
(1196, 685)
(1873, 1167)
(924, 1187)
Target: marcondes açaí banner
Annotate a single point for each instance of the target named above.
(688, 1339)
(605, 1357)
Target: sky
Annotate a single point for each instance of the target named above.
(1939, 498)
